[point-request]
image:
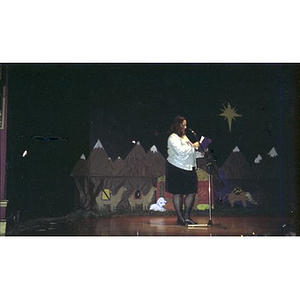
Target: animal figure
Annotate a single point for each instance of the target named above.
(113, 201)
(145, 200)
(159, 205)
(240, 196)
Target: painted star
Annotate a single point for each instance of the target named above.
(229, 114)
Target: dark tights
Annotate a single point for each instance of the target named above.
(188, 201)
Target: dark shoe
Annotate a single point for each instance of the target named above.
(189, 221)
(181, 221)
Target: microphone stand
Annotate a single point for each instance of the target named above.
(209, 197)
(209, 163)
(207, 157)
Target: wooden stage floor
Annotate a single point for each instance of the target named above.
(162, 225)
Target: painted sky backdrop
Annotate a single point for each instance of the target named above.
(128, 102)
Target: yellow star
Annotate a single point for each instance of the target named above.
(229, 114)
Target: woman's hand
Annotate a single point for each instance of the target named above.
(196, 145)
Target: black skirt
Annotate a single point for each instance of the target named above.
(179, 181)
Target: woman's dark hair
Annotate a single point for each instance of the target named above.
(176, 126)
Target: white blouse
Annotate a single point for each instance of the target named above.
(181, 153)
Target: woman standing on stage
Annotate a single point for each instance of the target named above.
(181, 176)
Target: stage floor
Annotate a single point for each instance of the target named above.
(160, 225)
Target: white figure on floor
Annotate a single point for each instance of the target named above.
(159, 205)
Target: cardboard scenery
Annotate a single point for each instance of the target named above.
(137, 183)
(247, 185)
(103, 184)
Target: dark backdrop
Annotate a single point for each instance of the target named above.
(58, 111)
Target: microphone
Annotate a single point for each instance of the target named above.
(194, 134)
(191, 130)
